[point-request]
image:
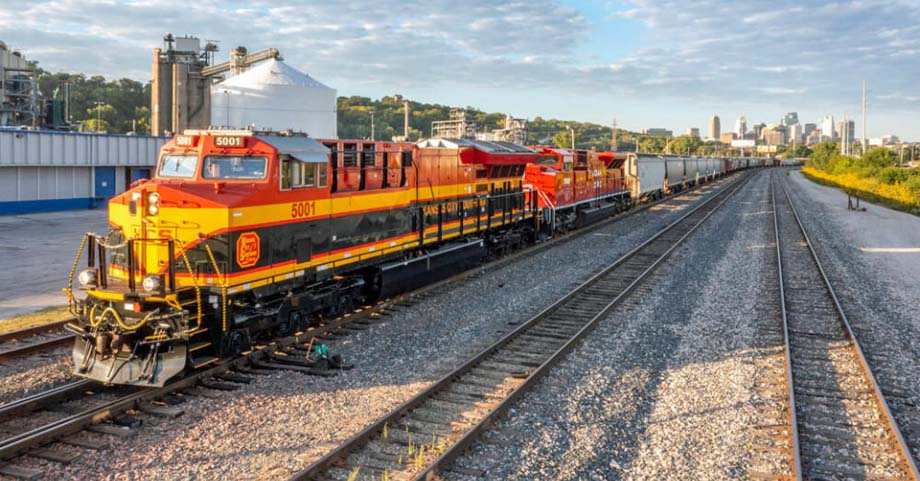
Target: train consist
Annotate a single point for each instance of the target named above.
(244, 235)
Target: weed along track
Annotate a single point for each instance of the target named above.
(421, 437)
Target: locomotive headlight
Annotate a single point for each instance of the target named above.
(88, 278)
(153, 203)
(152, 283)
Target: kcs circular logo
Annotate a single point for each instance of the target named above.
(247, 249)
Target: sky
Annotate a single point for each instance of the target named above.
(647, 63)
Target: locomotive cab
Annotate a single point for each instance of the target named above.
(158, 285)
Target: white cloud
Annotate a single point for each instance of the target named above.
(700, 52)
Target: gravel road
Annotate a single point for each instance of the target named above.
(665, 387)
(282, 421)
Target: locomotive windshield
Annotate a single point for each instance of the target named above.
(183, 166)
(234, 167)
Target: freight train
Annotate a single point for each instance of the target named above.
(245, 235)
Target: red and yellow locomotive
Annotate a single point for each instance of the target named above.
(244, 234)
(577, 187)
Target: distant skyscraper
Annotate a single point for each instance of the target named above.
(828, 129)
(693, 132)
(809, 128)
(795, 133)
(758, 131)
(846, 129)
(775, 135)
(740, 127)
(715, 128)
(790, 118)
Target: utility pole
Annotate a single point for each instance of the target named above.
(864, 140)
(66, 102)
(372, 125)
(613, 137)
(637, 145)
(843, 136)
(572, 133)
(406, 119)
(98, 105)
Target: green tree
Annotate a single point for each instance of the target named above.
(822, 154)
(563, 139)
(124, 96)
(101, 117)
(686, 145)
(877, 158)
(797, 151)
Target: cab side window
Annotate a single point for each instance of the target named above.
(285, 172)
(321, 175)
(295, 173)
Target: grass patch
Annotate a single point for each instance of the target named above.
(32, 319)
(896, 195)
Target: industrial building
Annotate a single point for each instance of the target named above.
(275, 96)
(44, 171)
(190, 91)
(19, 96)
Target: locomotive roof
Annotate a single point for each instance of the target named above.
(483, 145)
(304, 149)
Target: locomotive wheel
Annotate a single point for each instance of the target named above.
(373, 286)
(346, 304)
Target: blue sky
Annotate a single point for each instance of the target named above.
(647, 63)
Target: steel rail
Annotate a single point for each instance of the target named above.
(19, 343)
(45, 398)
(29, 331)
(30, 347)
(905, 452)
(340, 454)
(790, 391)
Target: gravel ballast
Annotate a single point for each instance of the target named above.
(281, 422)
(664, 388)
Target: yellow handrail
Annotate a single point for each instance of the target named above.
(223, 288)
(73, 270)
(188, 267)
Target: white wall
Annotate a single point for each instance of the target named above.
(47, 148)
(45, 183)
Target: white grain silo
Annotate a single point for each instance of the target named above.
(275, 96)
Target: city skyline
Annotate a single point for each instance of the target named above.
(648, 63)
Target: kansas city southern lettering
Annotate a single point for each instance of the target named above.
(247, 249)
(453, 206)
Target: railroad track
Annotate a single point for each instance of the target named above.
(55, 415)
(420, 438)
(33, 339)
(66, 410)
(841, 425)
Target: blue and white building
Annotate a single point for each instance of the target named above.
(44, 171)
